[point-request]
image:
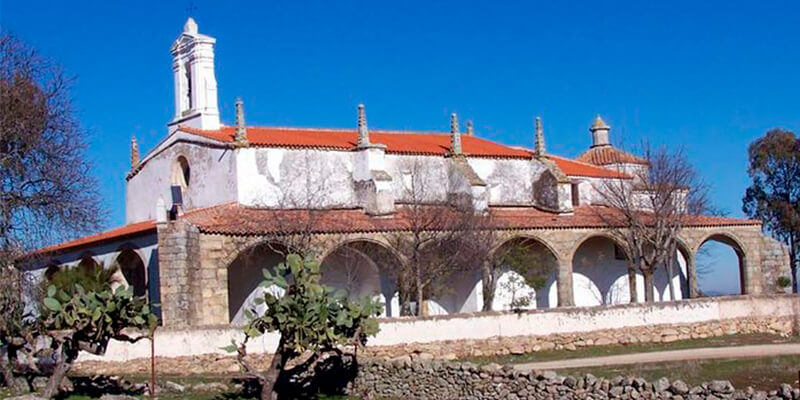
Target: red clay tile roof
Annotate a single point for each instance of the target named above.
(417, 143)
(605, 155)
(579, 168)
(113, 234)
(234, 219)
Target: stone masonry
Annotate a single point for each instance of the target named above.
(194, 264)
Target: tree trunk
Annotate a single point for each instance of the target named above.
(62, 366)
(405, 303)
(7, 369)
(634, 293)
(489, 281)
(272, 375)
(649, 296)
(793, 263)
(670, 269)
(421, 309)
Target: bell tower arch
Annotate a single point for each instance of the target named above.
(195, 81)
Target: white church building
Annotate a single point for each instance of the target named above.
(208, 207)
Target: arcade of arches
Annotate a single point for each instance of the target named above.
(574, 267)
(131, 269)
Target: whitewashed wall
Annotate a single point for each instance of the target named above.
(274, 177)
(280, 177)
(176, 343)
(212, 182)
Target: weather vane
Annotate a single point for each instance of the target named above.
(192, 8)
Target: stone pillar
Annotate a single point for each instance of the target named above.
(566, 298)
(691, 274)
(177, 254)
(211, 284)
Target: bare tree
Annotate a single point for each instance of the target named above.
(648, 212)
(439, 236)
(306, 189)
(47, 192)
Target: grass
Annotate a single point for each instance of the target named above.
(760, 373)
(599, 351)
(231, 394)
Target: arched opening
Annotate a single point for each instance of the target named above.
(600, 273)
(51, 270)
(671, 279)
(364, 269)
(720, 264)
(88, 264)
(133, 272)
(457, 292)
(181, 172)
(525, 278)
(245, 275)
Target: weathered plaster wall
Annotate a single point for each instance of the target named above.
(287, 178)
(212, 181)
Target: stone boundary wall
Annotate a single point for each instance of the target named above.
(442, 380)
(507, 332)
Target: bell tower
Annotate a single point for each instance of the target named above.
(195, 82)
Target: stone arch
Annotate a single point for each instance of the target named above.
(600, 271)
(245, 276)
(737, 245)
(682, 265)
(364, 267)
(51, 268)
(131, 266)
(87, 262)
(531, 274)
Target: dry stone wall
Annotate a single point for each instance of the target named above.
(441, 380)
(459, 349)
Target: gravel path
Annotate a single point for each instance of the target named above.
(707, 353)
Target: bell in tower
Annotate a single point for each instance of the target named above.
(195, 81)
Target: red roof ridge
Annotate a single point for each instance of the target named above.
(189, 129)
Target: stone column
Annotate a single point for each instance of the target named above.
(177, 253)
(211, 284)
(566, 298)
(691, 274)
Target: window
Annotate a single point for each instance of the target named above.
(189, 86)
(182, 173)
(576, 195)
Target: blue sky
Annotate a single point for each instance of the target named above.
(709, 76)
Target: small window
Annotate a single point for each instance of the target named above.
(576, 194)
(182, 173)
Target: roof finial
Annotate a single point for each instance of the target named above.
(455, 135)
(599, 131)
(540, 148)
(470, 129)
(241, 129)
(190, 26)
(134, 152)
(363, 132)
